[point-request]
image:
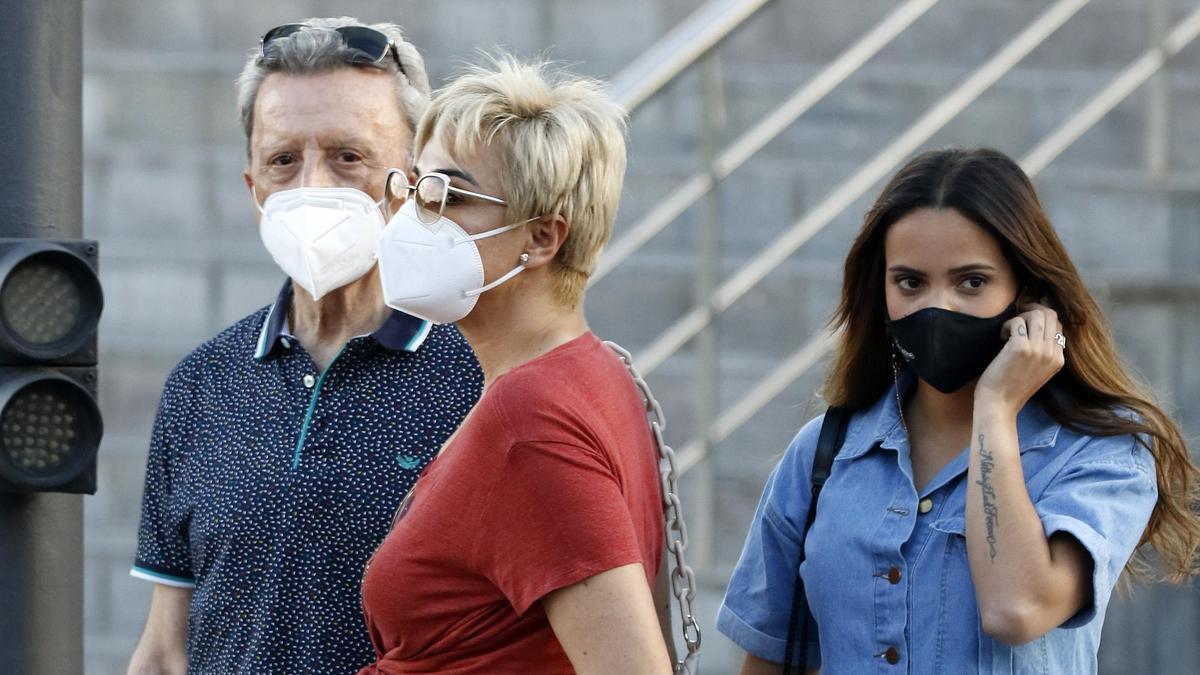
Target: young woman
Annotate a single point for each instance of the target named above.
(1000, 468)
(529, 544)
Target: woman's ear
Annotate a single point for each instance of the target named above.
(546, 236)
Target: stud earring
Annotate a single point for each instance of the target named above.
(524, 259)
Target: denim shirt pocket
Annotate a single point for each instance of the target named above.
(958, 611)
(956, 599)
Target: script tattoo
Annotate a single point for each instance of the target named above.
(990, 511)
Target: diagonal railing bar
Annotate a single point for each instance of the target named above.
(728, 160)
(1045, 152)
(776, 252)
(680, 48)
(1121, 87)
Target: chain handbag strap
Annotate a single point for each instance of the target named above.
(683, 579)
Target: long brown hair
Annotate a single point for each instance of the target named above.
(990, 189)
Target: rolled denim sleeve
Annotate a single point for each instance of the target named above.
(1103, 499)
(758, 600)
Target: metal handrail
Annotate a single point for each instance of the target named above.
(776, 252)
(1124, 84)
(733, 156)
(680, 48)
(1045, 152)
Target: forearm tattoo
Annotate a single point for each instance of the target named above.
(990, 510)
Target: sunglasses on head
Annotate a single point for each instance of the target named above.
(366, 44)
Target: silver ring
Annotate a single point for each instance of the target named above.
(1060, 340)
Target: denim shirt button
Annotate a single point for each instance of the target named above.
(892, 655)
(893, 575)
(925, 506)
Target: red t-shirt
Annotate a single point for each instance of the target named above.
(552, 478)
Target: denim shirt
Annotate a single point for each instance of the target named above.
(886, 567)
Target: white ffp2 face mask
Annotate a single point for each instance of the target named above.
(323, 238)
(434, 272)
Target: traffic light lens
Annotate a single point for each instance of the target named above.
(40, 302)
(35, 430)
(50, 428)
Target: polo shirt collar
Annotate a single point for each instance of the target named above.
(880, 424)
(401, 332)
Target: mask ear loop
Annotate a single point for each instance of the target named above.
(254, 193)
(524, 260)
(521, 263)
(493, 233)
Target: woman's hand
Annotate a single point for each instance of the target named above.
(1026, 363)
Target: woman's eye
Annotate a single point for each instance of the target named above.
(974, 283)
(908, 283)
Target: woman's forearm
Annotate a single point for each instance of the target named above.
(1025, 584)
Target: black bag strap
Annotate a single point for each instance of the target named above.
(833, 434)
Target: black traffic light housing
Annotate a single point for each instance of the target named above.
(50, 425)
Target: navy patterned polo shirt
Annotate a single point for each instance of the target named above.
(269, 483)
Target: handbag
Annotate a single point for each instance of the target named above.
(833, 434)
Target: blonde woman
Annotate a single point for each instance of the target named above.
(530, 543)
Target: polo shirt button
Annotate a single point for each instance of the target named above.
(892, 655)
(893, 575)
(309, 381)
(287, 344)
(925, 506)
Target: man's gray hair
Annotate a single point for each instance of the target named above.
(320, 49)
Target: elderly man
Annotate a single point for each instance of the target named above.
(283, 446)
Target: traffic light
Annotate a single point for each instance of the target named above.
(50, 426)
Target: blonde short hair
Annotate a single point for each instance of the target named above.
(561, 141)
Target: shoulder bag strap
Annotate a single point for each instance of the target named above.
(833, 434)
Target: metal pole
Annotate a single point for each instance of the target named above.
(1158, 99)
(706, 365)
(41, 535)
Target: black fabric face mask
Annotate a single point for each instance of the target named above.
(948, 349)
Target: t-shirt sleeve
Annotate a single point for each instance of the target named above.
(162, 550)
(758, 600)
(554, 516)
(1103, 499)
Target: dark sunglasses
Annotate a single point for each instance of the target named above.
(367, 44)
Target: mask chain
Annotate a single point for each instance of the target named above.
(896, 387)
